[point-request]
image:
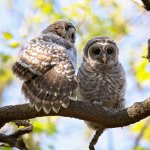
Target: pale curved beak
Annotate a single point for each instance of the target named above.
(104, 59)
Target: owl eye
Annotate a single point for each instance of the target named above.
(110, 50)
(96, 51)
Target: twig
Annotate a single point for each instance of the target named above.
(140, 3)
(13, 142)
(148, 51)
(141, 134)
(15, 139)
(143, 3)
(25, 123)
(95, 139)
(148, 54)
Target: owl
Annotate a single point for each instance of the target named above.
(47, 67)
(101, 77)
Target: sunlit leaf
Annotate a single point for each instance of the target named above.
(44, 125)
(136, 128)
(7, 35)
(14, 44)
(6, 148)
(141, 148)
(4, 57)
(142, 74)
(47, 8)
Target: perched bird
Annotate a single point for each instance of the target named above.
(101, 77)
(47, 67)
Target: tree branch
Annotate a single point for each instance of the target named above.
(143, 3)
(83, 111)
(15, 139)
(137, 141)
(146, 4)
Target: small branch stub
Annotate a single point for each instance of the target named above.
(146, 4)
(148, 51)
(148, 55)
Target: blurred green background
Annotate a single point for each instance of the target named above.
(126, 22)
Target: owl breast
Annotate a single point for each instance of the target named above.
(106, 87)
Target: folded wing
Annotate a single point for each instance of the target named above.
(48, 75)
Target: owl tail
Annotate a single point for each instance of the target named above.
(22, 72)
(50, 91)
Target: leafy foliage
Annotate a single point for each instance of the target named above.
(138, 127)
(7, 35)
(142, 69)
(44, 125)
(5, 71)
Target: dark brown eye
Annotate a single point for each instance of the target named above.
(96, 51)
(110, 50)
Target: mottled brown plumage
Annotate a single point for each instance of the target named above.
(47, 67)
(101, 76)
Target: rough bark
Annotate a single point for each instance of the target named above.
(83, 111)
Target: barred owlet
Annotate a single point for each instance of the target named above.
(101, 76)
(47, 67)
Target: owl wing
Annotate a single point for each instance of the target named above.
(48, 73)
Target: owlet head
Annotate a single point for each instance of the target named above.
(101, 52)
(64, 29)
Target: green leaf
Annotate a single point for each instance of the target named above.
(47, 8)
(44, 124)
(7, 35)
(141, 148)
(136, 128)
(4, 57)
(14, 44)
(142, 74)
(6, 148)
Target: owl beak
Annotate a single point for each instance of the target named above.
(104, 59)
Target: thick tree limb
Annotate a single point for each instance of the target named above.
(84, 111)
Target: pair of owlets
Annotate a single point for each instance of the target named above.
(47, 67)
